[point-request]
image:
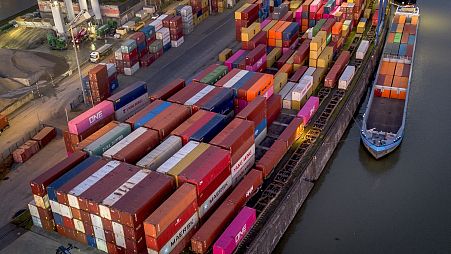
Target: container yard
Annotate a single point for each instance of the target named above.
(223, 161)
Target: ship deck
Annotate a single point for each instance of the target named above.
(386, 114)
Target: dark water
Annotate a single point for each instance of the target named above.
(400, 204)
(9, 8)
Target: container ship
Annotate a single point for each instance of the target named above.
(385, 117)
(221, 162)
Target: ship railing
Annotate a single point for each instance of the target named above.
(380, 138)
(408, 10)
(397, 58)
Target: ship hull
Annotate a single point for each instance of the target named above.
(380, 151)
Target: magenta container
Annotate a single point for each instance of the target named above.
(90, 117)
(298, 13)
(256, 66)
(241, 104)
(233, 58)
(269, 93)
(235, 232)
(265, 23)
(309, 109)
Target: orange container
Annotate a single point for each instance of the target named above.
(391, 68)
(386, 93)
(287, 68)
(260, 87)
(414, 20)
(391, 37)
(402, 95)
(393, 94)
(384, 68)
(388, 80)
(400, 28)
(402, 19)
(272, 31)
(396, 19)
(281, 29)
(272, 42)
(336, 28)
(399, 69)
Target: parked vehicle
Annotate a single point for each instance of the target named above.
(98, 55)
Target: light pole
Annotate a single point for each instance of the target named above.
(78, 63)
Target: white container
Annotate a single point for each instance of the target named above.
(124, 142)
(362, 49)
(177, 157)
(243, 165)
(261, 136)
(178, 42)
(215, 196)
(157, 24)
(162, 16)
(301, 89)
(230, 83)
(131, 108)
(286, 89)
(110, 68)
(162, 33)
(79, 225)
(33, 209)
(42, 202)
(96, 221)
(131, 71)
(65, 211)
(346, 77)
(202, 93)
(36, 221)
(161, 153)
(310, 71)
(118, 54)
(55, 206)
(101, 244)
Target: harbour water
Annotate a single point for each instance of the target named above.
(11, 7)
(401, 203)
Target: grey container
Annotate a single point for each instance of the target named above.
(161, 153)
(108, 140)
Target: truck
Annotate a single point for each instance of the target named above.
(99, 54)
(55, 42)
(81, 36)
(4, 123)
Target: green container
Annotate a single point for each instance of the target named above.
(215, 75)
(317, 27)
(156, 46)
(105, 142)
(397, 38)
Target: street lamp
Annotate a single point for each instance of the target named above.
(76, 21)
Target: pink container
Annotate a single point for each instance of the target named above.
(298, 13)
(314, 6)
(233, 58)
(236, 231)
(265, 23)
(90, 117)
(256, 67)
(241, 104)
(269, 93)
(309, 109)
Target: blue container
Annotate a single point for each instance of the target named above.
(166, 47)
(51, 189)
(260, 127)
(311, 23)
(402, 49)
(127, 95)
(148, 31)
(91, 241)
(85, 82)
(290, 31)
(114, 85)
(151, 114)
(221, 102)
(58, 219)
(411, 39)
(142, 46)
(207, 132)
(304, 15)
(243, 81)
(393, 27)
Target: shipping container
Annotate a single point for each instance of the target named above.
(147, 113)
(308, 110)
(161, 153)
(362, 49)
(336, 70)
(168, 90)
(236, 231)
(255, 111)
(274, 106)
(96, 135)
(134, 146)
(272, 157)
(89, 118)
(105, 142)
(131, 108)
(129, 94)
(213, 227)
(346, 77)
(168, 119)
(44, 136)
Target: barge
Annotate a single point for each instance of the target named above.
(224, 161)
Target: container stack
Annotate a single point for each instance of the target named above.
(25, 151)
(255, 112)
(186, 12)
(113, 82)
(200, 10)
(317, 45)
(176, 31)
(98, 82)
(87, 123)
(130, 57)
(301, 91)
(164, 36)
(244, 17)
(256, 59)
(129, 101)
(336, 70)
(109, 139)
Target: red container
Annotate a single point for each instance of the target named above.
(138, 148)
(234, 136)
(258, 39)
(61, 192)
(168, 90)
(302, 53)
(292, 131)
(284, 58)
(298, 74)
(88, 200)
(192, 125)
(168, 120)
(132, 207)
(186, 93)
(166, 21)
(213, 227)
(98, 73)
(44, 136)
(227, 77)
(274, 106)
(157, 243)
(337, 69)
(272, 157)
(130, 57)
(203, 170)
(255, 111)
(40, 183)
(255, 54)
(167, 215)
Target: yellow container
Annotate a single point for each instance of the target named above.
(280, 79)
(361, 28)
(294, 5)
(344, 30)
(186, 161)
(273, 56)
(279, 43)
(225, 54)
(291, 59)
(238, 12)
(350, 1)
(296, 67)
(314, 54)
(325, 57)
(367, 13)
(312, 62)
(295, 104)
(247, 33)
